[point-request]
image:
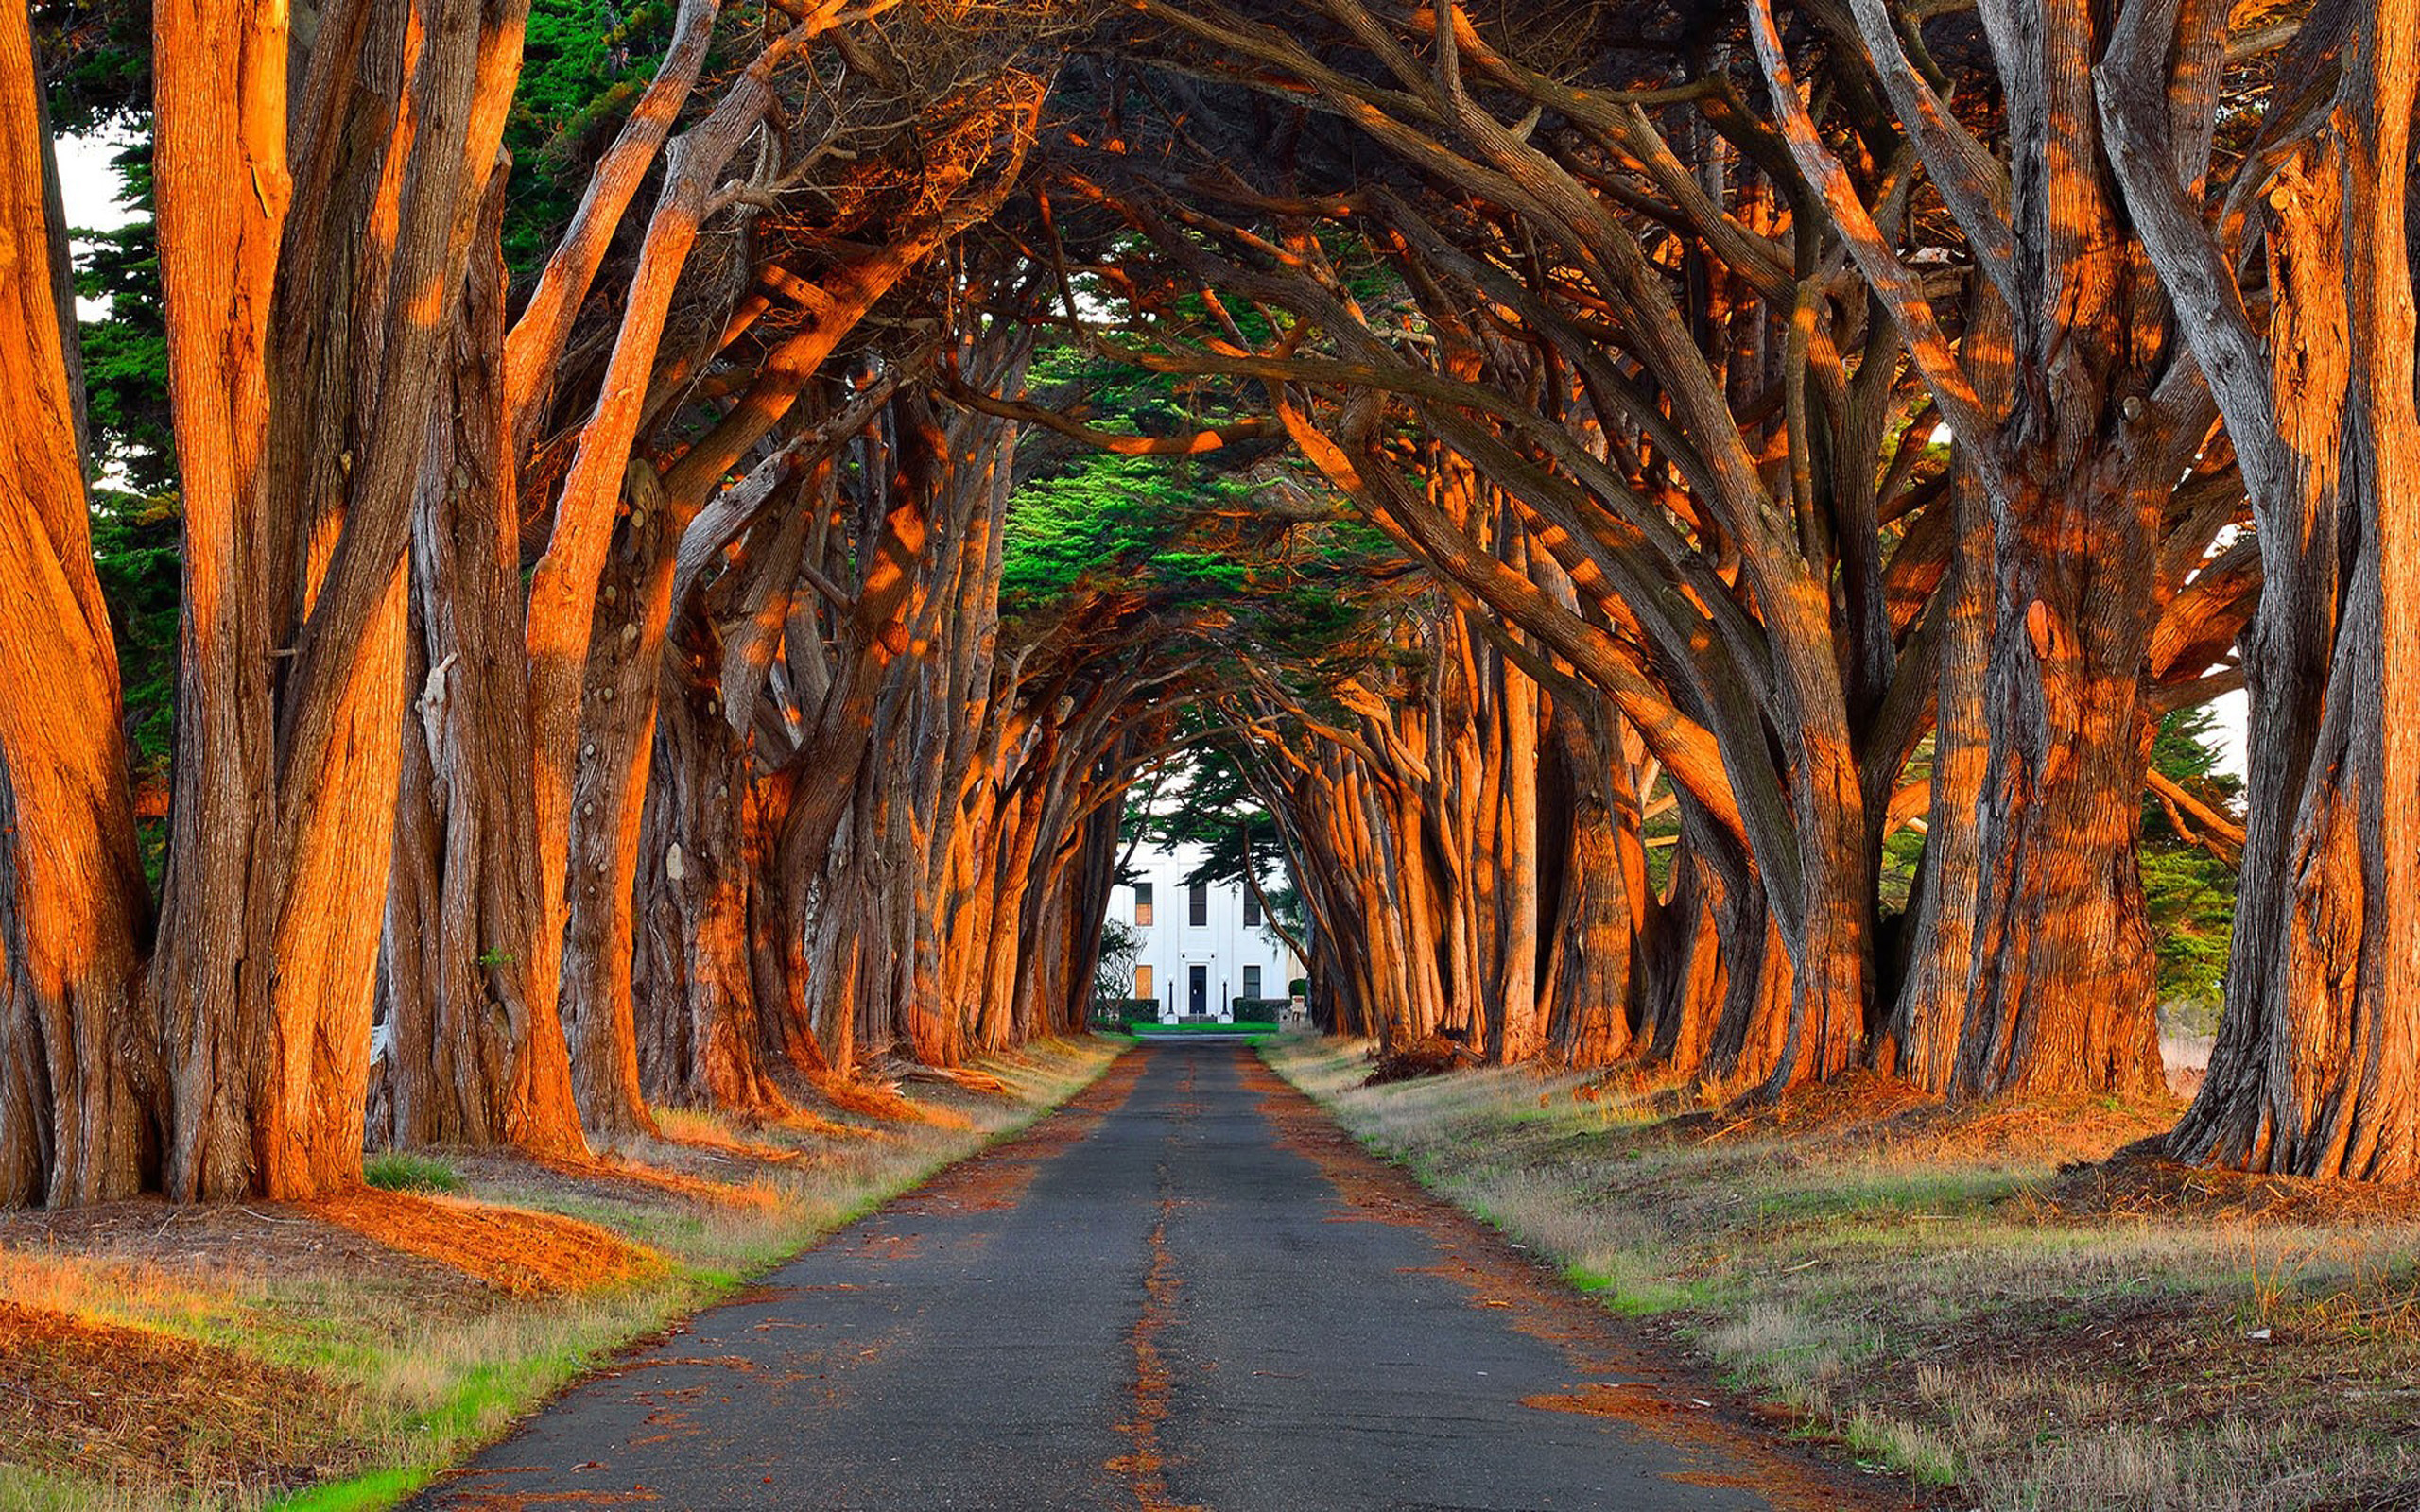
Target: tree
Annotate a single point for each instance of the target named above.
(2077, 465)
(2297, 297)
(76, 1112)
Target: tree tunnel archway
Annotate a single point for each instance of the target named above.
(711, 571)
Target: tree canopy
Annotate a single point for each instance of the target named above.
(651, 550)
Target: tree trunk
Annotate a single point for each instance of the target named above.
(1919, 1038)
(1592, 975)
(2316, 1068)
(2061, 993)
(299, 476)
(73, 1128)
(471, 1049)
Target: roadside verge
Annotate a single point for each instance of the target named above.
(1970, 1297)
(341, 1353)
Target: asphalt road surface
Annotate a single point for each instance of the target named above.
(1186, 1290)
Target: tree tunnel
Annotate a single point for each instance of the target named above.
(1676, 529)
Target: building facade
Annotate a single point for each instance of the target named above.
(1203, 945)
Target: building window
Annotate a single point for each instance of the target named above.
(1197, 904)
(1252, 981)
(1143, 981)
(1143, 913)
(1252, 909)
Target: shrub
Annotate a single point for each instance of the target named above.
(1259, 1010)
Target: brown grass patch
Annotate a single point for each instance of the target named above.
(1866, 1107)
(883, 1100)
(528, 1254)
(1629, 1401)
(1431, 1056)
(97, 1397)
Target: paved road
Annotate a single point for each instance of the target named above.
(1188, 1290)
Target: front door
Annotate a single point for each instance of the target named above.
(1197, 991)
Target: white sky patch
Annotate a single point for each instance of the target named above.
(2231, 732)
(91, 187)
(91, 184)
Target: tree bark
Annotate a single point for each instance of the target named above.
(301, 388)
(78, 1121)
(2318, 1057)
(471, 1051)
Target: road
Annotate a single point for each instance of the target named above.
(1186, 1290)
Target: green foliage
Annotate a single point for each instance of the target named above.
(583, 64)
(2189, 893)
(136, 556)
(1107, 523)
(95, 57)
(403, 1171)
(126, 349)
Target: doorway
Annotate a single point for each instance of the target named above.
(1197, 991)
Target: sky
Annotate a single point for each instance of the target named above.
(91, 188)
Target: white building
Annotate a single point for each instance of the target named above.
(1203, 945)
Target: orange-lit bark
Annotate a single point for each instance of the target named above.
(78, 1121)
(470, 1049)
(301, 386)
(2317, 1066)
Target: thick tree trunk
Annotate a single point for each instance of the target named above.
(297, 516)
(2061, 993)
(1520, 1016)
(73, 907)
(1593, 975)
(694, 986)
(471, 1050)
(1920, 1035)
(2316, 1068)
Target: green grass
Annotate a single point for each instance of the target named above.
(1145, 1029)
(409, 1171)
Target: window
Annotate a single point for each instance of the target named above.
(1143, 981)
(1252, 981)
(1197, 904)
(1143, 913)
(1251, 911)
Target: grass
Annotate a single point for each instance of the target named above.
(377, 1367)
(409, 1171)
(1143, 1028)
(1926, 1290)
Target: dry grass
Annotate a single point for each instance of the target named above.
(1927, 1288)
(339, 1353)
